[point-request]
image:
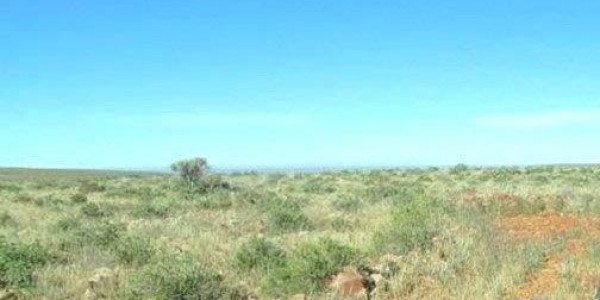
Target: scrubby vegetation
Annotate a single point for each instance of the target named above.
(435, 233)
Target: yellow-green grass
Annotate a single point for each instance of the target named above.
(439, 226)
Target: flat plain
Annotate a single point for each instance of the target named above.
(453, 233)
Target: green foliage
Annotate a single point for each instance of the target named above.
(213, 182)
(349, 203)
(191, 170)
(89, 186)
(18, 261)
(93, 210)
(159, 209)
(68, 223)
(9, 187)
(133, 250)
(49, 201)
(459, 168)
(7, 219)
(411, 228)
(179, 278)
(79, 198)
(102, 233)
(217, 199)
(285, 216)
(309, 264)
(259, 253)
(23, 198)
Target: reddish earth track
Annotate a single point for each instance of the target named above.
(544, 281)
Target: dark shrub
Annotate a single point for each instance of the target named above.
(133, 250)
(79, 198)
(259, 253)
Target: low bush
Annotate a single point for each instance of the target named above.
(309, 265)
(152, 209)
(79, 198)
(87, 187)
(133, 250)
(259, 253)
(93, 210)
(18, 261)
(23, 198)
(411, 227)
(7, 219)
(98, 234)
(348, 203)
(179, 278)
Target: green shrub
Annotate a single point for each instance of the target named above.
(68, 223)
(87, 187)
(7, 219)
(10, 187)
(79, 198)
(459, 168)
(284, 215)
(98, 234)
(93, 210)
(152, 209)
(133, 250)
(212, 182)
(287, 218)
(348, 203)
(50, 201)
(23, 198)
(18, 261)
(179, 278)
(259, 253)
(410, 228)
(308, 265)
(214, 200)
(191, 170)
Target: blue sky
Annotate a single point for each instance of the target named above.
(138, 84)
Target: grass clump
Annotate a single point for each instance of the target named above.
(285, 215)
(259, 253)
(179, 278)
(348, 203)
(94, 210)
(308, 265)
(18, 261)
(410, 228)
(133, 250)
(152, 209)
(79, 198)
(7, 219)
(98, 234)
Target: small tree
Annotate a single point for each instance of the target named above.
(191, 170)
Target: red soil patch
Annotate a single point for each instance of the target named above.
(537, 226)
(545, 280)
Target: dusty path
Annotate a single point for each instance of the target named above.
(544, 281)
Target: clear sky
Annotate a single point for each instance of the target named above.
(307, 83)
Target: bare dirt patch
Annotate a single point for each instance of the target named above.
(543, 281)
